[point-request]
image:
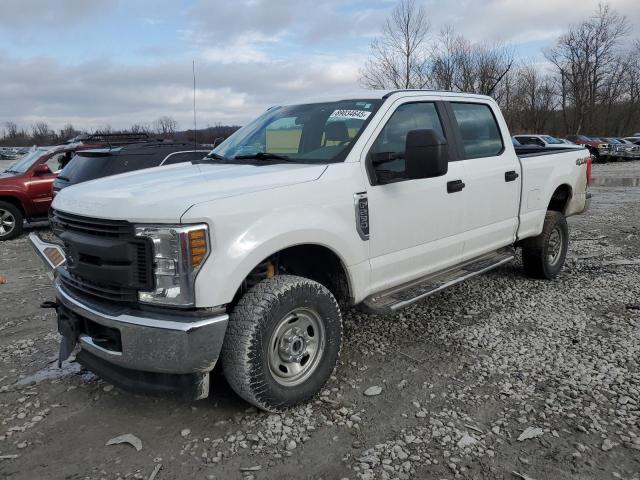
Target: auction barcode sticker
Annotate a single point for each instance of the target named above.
(359, 114)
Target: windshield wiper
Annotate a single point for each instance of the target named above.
(8, 170)
(216, 156)
(263, 156)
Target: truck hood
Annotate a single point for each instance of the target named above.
(163, 194)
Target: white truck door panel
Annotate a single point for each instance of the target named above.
(415, 228)
(492, 204)
(492, 179)
(415, 225)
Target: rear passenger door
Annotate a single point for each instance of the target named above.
(492, 183)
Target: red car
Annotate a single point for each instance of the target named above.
(26, 187)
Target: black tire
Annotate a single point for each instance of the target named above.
(539, 257)
(252, 341)
(11, 221)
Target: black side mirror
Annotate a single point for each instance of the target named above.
(426, 154)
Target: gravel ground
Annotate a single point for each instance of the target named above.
(499, 377)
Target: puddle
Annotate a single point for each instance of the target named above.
(616, 182)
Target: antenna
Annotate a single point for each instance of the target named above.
(195, 128)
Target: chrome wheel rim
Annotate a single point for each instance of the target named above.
(296, 347)
(555, 246)
(7, 222)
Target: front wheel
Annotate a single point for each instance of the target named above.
(543, 256)
(11, 221)
(282, 342)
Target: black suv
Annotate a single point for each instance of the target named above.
(102, 162)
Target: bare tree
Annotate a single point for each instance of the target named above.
(41, 133)
(584, 58)
(166, 126)
(12, 129)
(140, 128)
(458, 64)
(533, 99)
(67, 133)
(399, 56)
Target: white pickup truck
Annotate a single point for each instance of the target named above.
(247, 256)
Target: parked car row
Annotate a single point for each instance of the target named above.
(28, 186)
(601, 148)
(12, 153)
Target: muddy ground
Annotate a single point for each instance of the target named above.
(499, 377)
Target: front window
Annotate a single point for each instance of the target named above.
(310, 133)
(25, 163)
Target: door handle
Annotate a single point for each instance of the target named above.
(510, 176)
(455, 186)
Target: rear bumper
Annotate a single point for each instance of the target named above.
(135, 344)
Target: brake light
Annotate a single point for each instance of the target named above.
(589, 160)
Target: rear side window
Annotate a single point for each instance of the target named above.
(478, 129)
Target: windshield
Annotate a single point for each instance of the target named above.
(25, 162)
(311, 133)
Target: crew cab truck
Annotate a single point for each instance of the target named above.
(247, 256)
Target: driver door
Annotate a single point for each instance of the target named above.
(415, 225)
(41, 184)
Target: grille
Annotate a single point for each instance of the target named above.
(63, 221)
(105, 258)
(106, 292)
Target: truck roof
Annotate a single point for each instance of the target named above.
(385, 94)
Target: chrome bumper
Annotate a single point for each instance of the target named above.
(160, 343)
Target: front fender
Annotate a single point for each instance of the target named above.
(243, 235)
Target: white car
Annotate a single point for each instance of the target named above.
(249, 255)
(546, 141)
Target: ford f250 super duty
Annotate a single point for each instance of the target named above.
(247, 256)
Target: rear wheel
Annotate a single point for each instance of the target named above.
(11, 221)
(543, 256)
(282, 342)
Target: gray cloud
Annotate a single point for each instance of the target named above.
(33, 14)
(250, 54)
(96, 93)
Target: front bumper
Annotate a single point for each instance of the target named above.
(142, 347)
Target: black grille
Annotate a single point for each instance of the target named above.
(63, 221)
(104, 257)
(113, 293)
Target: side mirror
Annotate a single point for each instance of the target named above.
(426, 154)
(41, 169)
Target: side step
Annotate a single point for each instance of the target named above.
(399, 297)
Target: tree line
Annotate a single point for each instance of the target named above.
(589, 84)
(165, 127)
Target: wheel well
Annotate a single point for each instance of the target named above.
(560, 198)
(14, 201)
(315, 262)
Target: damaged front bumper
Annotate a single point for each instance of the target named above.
(51, 254)
(141, 351)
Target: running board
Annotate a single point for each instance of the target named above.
(399, 297)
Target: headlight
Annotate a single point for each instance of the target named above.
(178, 253)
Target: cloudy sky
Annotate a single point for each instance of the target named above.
(116, 62)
